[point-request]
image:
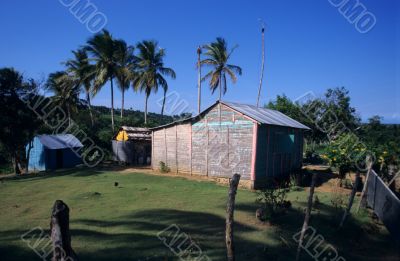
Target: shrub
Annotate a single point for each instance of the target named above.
(272, 199)
(164, 168)
(345, 153)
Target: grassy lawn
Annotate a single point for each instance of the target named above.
(121, 223)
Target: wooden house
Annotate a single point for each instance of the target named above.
(229, 138)
(132, 145)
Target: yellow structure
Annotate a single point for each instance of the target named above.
(122, 136)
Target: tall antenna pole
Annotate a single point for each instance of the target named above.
(199, 79)
(262, 61)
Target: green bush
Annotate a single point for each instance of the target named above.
(345, 153)
(164, 168)
(272, 199)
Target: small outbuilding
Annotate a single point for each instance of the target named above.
(132, 145)
(50, 152)
(229, 138)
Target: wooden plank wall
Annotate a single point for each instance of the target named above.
(183, 148)
(220, 148)
(170, 134)
(274, 163)
(200, 134)
(218, 145)
(158, 148)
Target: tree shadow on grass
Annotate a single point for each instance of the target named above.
(78, 171)
(134, 237)
(206, 230)
(353, 241)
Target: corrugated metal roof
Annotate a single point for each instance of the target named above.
(136, 129)
(266, 116)
(136, 133)
(261, 115)
(60, 141)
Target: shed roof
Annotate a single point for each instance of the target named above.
(260, 115)
(265, 116)
(136, 133)
(60, 141)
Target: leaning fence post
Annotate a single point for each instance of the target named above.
(230, 250)
(307, 216)
(362, 198)
(60, 235)
(351, 199)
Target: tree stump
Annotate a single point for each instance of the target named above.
(60, 235)
(230, 250)
(260, 214)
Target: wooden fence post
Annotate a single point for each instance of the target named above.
(60, 235)
(351, 199)
(230, 250)
(362, 198)
(307, 216)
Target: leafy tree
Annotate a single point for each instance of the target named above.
(102, 48)
(283, 104)
(337, 101)
(66, 91)
(125, 67)
(83, 72)
(297, 112)
(328, 117)
(18, 123)
(217, 58)
(151, 71)
(382, 140)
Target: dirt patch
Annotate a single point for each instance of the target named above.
(329, 182)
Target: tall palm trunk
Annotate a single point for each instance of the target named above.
(199, 80)
(112, 104)
(145, 108)
(262, 65)
(220, 88)
(220, 97)
(90, 107)
(163, 103)
(122, 102)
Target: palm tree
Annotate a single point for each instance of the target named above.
(262, 61)
(199, 79)
(66, 91)
(217, 57)
(150, 71)
(102, 47)
(83, 72)
(126, 64)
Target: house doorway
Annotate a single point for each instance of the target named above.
(59, 159)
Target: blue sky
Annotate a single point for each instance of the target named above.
(310, 46)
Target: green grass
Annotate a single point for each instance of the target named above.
(121, 223)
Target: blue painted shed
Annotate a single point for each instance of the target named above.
(50, 152)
